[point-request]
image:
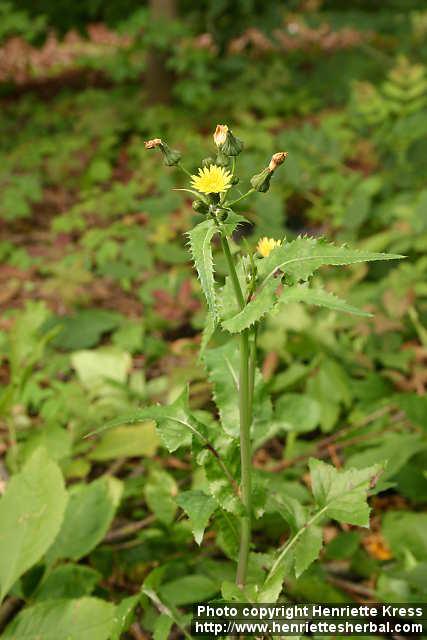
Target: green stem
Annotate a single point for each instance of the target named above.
(245, 409)
(245, 195)
(252, 366)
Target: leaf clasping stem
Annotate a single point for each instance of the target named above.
(245, 411)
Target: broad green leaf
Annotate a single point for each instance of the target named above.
(342, 495)
(162, 627)
(94, 368)
(55, 439)
(160, 492)
(297, 412)
(68, 581)
(254, 311)
(199, 507)
(124, 616)
(307, 548)
(291, 510)
(79, 619)
(31, 512)
(88, 516)
(83, 329)
(320, 298)
(201, 251)
(405, 531)
(300, 258)
(127, 442)
(189, 589)
(394, 448)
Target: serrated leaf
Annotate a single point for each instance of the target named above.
(79, 619)
(227, 303)
(31, 512)
(175, 424)
(222, 364)
(199, 507)
(201, 251)
(307, 548)
(300, 258)
(320, 298)
(342, 495)
(207, 333)
(262, 303)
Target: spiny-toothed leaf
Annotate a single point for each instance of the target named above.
(254, 310)
(342, 495)
(222, 364)
(207, 333)
(300, 259)
(199, 507)
(201, 251)
(232, 222)
(320, 298)
(227, 302)
(174, 422)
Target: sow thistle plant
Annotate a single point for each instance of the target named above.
(275, 274)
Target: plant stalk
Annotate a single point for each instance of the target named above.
(245, 409)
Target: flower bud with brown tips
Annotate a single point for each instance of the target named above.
(277, 159)
(220, 134)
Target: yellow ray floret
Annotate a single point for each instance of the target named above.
(266, 245)
(212, 179)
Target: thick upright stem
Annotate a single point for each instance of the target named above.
(245, 408)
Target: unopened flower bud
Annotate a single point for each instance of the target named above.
(152, 144)
(232, 145)
(222, 160)
(220, 134)
(235, 180)
(200, 207)
(277, 159)
(261, 181)
(226, 142)
(206, 162)
(171, 156)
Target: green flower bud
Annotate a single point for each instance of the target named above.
(232, 145)
(200, 207)
(235, 180)
(261, 181)
(222, 160)
(171, 156)
(206, 162)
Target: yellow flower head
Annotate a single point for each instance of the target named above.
(266, 245)
(212, 179)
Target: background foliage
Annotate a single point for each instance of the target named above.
(102, 312)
